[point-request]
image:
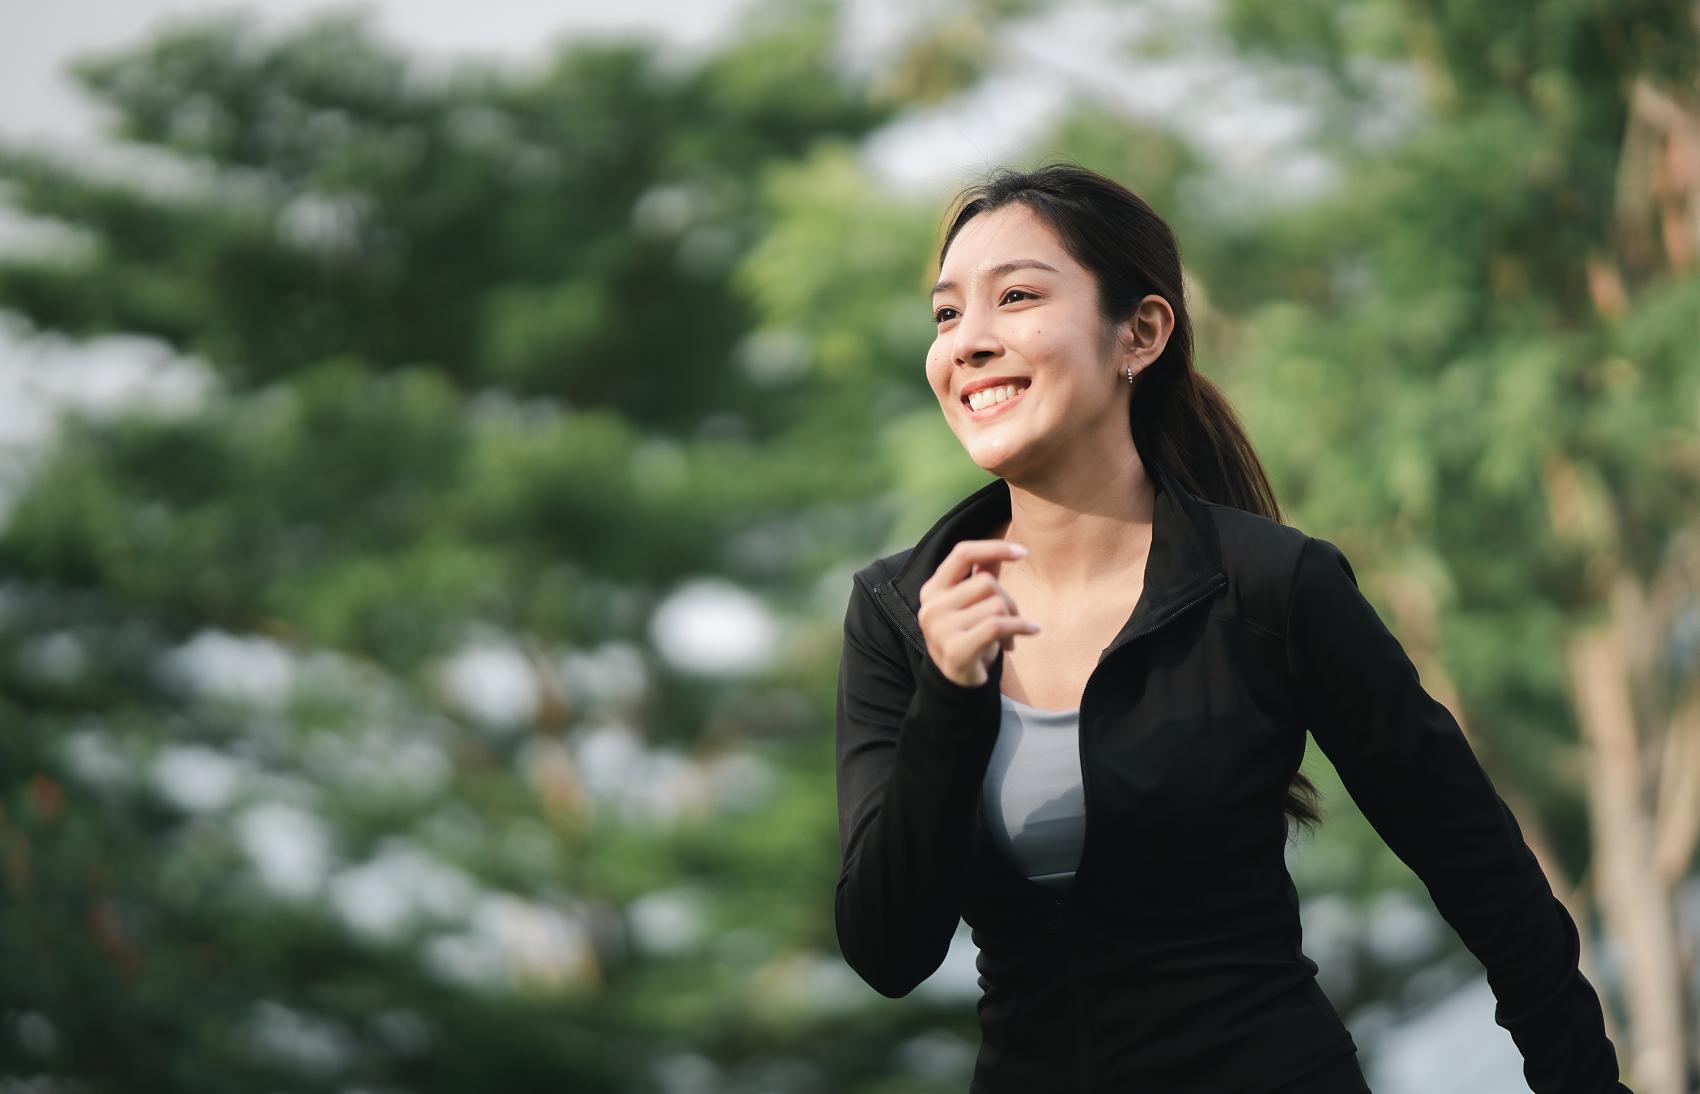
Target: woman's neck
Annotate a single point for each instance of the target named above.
(1079, 528)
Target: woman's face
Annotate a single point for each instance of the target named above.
(1036, 327)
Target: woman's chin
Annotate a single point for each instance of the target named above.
(995, 454)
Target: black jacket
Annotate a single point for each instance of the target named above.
(1173, 964)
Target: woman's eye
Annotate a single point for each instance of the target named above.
(939, 316)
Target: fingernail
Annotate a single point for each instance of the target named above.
(1020, 551)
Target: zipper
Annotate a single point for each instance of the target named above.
(1059, 912)
(1064, 901)
(914, 636)
(1216, 582)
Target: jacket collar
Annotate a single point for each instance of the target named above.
(1185, 557)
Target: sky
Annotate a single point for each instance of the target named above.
(39, 103)
(37, 39)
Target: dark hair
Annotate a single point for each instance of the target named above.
(1177, 416)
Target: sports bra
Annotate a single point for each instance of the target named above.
(1032, 797)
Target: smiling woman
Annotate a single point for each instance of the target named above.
(1072, 714)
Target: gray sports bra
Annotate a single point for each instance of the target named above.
(1032, 796)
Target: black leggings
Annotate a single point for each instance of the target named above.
(1343, 1076)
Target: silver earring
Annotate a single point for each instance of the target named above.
(1130, 374)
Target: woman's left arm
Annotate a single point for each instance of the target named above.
(1411, 771)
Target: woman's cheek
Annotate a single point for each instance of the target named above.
(938, 375)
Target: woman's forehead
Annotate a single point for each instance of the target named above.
(984, 251)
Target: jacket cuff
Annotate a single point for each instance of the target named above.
(947, 696)
(948, 715)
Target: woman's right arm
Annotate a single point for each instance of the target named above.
(912, 749)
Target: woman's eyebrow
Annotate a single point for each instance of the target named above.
(999, 270)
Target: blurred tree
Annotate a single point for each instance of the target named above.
(483, 392)
(1478, 369)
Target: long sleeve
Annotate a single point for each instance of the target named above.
(1410, 769)
(910, 757)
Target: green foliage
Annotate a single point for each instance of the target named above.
(479, 368)
(1443, 395)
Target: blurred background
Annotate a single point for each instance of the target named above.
(435, 440)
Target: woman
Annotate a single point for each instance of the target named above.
(1072, 714)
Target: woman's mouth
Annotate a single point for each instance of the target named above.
(988, 402)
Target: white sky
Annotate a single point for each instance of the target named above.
(36, 39)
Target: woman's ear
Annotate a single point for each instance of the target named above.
(1144, 334)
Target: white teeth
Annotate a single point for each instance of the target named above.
(991, 396)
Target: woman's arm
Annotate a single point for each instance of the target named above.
(910, 757)
(1412, 773)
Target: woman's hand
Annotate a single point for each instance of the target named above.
(966, 615)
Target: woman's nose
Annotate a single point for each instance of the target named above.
(974, 336)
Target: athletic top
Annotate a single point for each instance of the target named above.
(1032, 795)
